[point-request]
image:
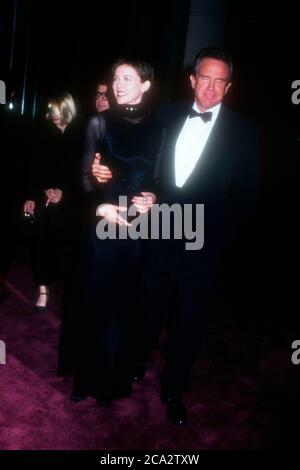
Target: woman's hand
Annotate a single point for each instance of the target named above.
(145, 203)
(54, 195)
(110, 212)
(29, 207)
(102, 173)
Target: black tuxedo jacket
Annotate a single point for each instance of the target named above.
(226, 176)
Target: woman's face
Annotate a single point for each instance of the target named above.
(54, 116)
(127, 85)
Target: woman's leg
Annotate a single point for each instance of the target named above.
(47, 252)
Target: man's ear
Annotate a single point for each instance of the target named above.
(193, 81)
(146, 85)
(227, 88)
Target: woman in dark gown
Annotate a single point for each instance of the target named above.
(52, 193)
(105, 303)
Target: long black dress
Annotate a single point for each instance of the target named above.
(106, 294)
(54, 164)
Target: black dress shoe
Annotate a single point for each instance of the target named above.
(77, 395)
(138, 373)
(176, 410)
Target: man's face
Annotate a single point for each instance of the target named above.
(127, 85)
(101, 98)
(211, 83)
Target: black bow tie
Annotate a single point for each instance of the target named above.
(204, 116)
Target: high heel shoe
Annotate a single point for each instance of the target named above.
(41, 308)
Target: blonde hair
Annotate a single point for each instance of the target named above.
(63, 106)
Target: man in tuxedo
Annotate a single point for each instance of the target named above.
(210, 157)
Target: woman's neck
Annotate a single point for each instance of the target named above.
(133, 111)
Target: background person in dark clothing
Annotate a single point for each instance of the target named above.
(102, 101)
(51, 191)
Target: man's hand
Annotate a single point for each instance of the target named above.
(102, 173)
(29, 207)
(110, 212)
(54, 195)
(145, 203)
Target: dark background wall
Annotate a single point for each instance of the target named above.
(63, 44)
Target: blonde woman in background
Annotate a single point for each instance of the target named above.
(51, 189)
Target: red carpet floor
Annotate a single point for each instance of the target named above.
(243, 394)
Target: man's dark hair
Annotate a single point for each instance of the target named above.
(144, 70)
(212, 53)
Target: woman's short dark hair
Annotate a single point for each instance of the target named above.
(144, 70)
(212, 53)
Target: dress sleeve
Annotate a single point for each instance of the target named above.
(93, 135)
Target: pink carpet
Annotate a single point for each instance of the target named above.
(238, 398)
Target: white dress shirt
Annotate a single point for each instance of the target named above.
(191, 142)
